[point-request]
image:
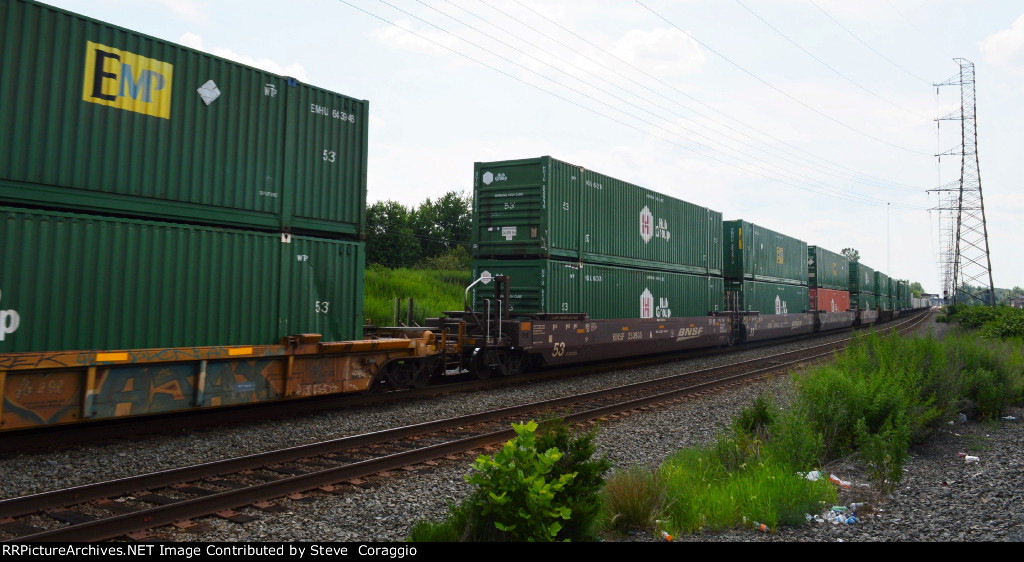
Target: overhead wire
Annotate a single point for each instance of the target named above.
(834, 192)
(777, 89)
(865, 43)
(826, 65)
(878, 182)
(831, 190)
(545, 63)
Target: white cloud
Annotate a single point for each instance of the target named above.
(293, 70)
(661, 51)
(401, 36)
(190, 10)
(1006, 47)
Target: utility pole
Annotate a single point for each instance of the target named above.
(964, 236)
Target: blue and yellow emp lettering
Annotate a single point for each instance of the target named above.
(124, 80)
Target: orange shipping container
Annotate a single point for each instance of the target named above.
(829, 300)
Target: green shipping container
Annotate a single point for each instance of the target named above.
(864, 301)
(885, 303)
(771, 298)
(545, 208)
(904, 295)
(98, 118)
(827, 269)
(882, 287)
(758, 254)
(70, 282)
(862, 278)
(602, 291)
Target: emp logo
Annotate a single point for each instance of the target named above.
(124, 80)
(9, 321)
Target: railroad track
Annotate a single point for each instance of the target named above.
(126, 507)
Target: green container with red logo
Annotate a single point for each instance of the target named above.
(547, 208)
(546, 286)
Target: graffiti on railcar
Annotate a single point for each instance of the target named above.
(312, 376)
(10, 362)
(40, 399)
(149, 389)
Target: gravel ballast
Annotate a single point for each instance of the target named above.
(940, 497)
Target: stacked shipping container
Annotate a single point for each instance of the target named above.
(574, 240)
(767, 270)
(97, 118)
(196, 172)
(829, 280)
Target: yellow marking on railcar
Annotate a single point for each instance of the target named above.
(240, 351)
(111, 357)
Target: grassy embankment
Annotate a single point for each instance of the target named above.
(872, 403)
(433, 291)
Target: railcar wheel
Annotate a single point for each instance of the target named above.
(407, 372)
(481, 365)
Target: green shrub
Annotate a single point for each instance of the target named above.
(884, 449)
(757, 418)
(583, 493)
(516, 491)
(795, 442)
(544, 485)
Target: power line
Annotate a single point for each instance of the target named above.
(863, 42)
(837, 193)
(828, 66)
(686, 95)
(777, 89)
(598, 88)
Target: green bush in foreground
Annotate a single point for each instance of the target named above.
(516, 492)
(543, 485)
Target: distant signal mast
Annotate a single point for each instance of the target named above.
(965, 262)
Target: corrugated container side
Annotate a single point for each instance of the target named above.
(601, 291)
(102, 119)
(526, 207)
(327, 159)
(884, 302)
(882, 288)
(829, 300)
(865, 300)
(757, 253)
(86, 282)
(862, 278)
(546, 208)
(625, 224)
(772, 298)
(827, 269)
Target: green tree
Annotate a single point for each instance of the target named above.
(851, 254)
(390, 237)
(916, 289)
(444, 224)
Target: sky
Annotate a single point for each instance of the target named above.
(815, 118)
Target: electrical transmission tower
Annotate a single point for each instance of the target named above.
(965, 262)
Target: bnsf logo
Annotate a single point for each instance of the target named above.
(128, 81)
